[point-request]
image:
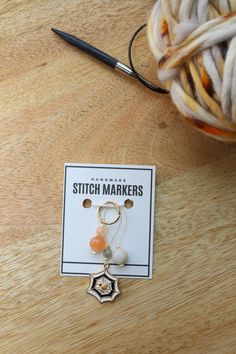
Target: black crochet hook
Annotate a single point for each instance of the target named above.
(108, 59)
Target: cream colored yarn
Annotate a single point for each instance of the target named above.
(194, 43)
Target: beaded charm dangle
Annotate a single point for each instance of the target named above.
(120, 256)
(98, 243)
(103, 285)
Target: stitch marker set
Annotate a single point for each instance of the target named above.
(108, 219)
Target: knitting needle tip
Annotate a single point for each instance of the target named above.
(94, 52)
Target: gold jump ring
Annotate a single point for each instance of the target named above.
(103, 221)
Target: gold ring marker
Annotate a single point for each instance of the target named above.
(103, 221)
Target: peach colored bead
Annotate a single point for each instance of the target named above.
(98, 243)
(100, 231)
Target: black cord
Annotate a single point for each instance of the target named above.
(142, 79)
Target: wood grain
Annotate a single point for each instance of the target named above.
(58, 105)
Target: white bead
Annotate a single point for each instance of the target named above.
(120, 256)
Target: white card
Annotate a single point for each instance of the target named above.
(134, 231)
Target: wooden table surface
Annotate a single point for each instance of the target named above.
(58, 105)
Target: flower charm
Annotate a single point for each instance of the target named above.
(103, 285)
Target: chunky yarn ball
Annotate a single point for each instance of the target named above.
(194, 43)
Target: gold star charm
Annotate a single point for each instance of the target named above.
(103, 285)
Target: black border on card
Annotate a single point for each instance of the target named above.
(150, 223)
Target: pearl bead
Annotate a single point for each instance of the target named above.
(120, 256)
(98, 243)
(107, 253)
(100, 231)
